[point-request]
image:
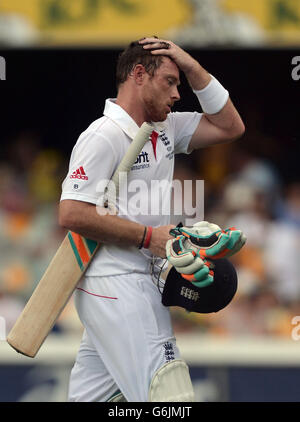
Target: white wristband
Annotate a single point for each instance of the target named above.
(213, 97)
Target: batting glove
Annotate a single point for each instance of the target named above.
(210, 240)
(189, 263)
(194, 248)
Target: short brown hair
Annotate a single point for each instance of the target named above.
(135, 54)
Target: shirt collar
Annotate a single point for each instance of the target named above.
(123, 120)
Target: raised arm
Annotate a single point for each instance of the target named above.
(221, 121)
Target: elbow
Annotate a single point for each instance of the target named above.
(66, 217)
(241, 129)
(237, 132)
(64, 221)
(240, 132)
(75, 215)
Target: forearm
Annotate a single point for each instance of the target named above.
(198, 78)
(227, 119)
(216, 103)
(84, 219)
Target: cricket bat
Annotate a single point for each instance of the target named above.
(63, 273)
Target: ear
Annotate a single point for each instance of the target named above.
(139, 73)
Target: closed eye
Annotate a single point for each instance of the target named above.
(173, 81)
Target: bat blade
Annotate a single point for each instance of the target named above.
(63, 274)
(52, 294)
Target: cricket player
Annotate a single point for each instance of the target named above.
(128, 351)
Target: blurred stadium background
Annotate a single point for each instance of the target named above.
(60, 59)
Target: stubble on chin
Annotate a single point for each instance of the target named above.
(154, 114)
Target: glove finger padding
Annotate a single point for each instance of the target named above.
(176, 254)
(237, 241)
(188, 263)
(201, 278)
(208, 240)
(197, 265)
(212, 247)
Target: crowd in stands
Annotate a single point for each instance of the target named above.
(251, 195)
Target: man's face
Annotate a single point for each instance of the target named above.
(160, 91)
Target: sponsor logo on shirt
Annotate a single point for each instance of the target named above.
(142, 161)
(79, 174)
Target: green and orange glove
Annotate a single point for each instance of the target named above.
(194, 248)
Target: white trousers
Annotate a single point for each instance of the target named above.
(128, 336)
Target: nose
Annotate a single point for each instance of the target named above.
(176, 95)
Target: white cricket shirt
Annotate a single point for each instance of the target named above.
(146, 200)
